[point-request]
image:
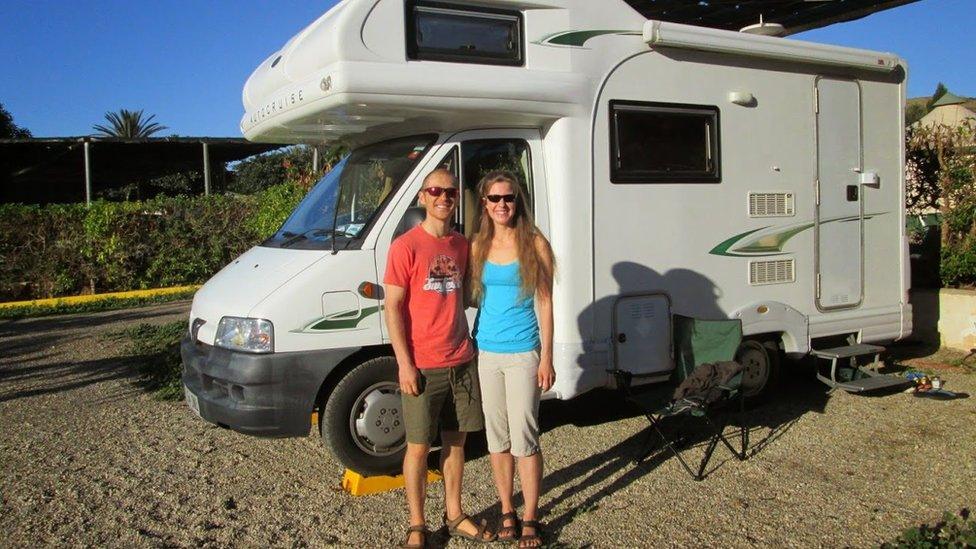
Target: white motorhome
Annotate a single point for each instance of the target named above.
(675, 169)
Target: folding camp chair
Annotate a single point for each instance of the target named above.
(696, 343)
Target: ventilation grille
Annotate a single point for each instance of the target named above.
(770, 204)
(779, 271)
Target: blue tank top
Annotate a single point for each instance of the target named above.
(506, 321)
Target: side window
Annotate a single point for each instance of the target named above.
(480, 156)
(664, 143)
(464, 34)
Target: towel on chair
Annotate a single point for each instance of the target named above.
(706, 380)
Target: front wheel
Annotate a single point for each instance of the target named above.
(760, 361)
(362, 421)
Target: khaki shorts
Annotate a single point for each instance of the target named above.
(449, 400)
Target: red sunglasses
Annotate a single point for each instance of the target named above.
(449, 192)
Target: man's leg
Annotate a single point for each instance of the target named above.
(415, 480)
(452, 467)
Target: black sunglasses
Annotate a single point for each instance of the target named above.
(494, 198)
(449, 192)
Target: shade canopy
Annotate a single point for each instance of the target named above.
(795, 15)
(48, 170)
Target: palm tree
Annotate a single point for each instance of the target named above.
(131, 124)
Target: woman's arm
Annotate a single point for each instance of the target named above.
(543, 297)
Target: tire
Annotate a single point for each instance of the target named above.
(761, 362)
(362, 420)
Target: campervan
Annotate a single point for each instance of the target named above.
(675, 170)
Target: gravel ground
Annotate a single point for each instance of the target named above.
(88, 458)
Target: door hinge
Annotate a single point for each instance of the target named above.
(816, 191)
(818, 286)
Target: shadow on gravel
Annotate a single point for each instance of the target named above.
(798, 394)
(34, 335)
(66, 376)
(89, 320)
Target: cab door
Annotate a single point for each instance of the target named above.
(470, 155)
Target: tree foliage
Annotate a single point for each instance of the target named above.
(129, 124)
(940, 90)
(293, 164)
(10, 130)
(941, 165)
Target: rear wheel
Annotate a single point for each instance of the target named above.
(760, 360)
(362, 421)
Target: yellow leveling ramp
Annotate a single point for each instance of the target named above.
(358, 485)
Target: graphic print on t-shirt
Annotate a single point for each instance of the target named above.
(443, 275)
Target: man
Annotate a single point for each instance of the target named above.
(438, 380)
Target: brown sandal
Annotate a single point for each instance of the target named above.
(531, 540)
(479, 536)
(506, 534)
(424, 534)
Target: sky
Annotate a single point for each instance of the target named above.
(66, 63)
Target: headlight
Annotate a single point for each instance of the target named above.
(253, 335)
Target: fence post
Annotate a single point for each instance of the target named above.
(88, 186)
(206, 169)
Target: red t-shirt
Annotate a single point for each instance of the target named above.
(430, 271)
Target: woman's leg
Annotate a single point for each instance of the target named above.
(493, 402)
(522, 390)
(530, 476)
(503, 469)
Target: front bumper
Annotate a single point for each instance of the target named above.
(270, 395)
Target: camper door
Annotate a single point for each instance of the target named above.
(840, 215)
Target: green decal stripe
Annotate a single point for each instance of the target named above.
(342, 321)
(772, 244)
(723, 247)
(579, 38)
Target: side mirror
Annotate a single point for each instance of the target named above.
(413, 217)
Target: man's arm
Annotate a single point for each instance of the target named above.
(408, 374)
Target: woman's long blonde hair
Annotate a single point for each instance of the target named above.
(535, 271)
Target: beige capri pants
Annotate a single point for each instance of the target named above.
(510, 399)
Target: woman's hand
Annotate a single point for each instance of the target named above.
(547, 375)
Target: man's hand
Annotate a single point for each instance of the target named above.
(409, 380)
(547, 375)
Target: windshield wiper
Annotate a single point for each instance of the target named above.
(292, 238)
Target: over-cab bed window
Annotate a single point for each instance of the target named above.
(664, 143)
(439, 31)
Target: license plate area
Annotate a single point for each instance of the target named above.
(192, 401)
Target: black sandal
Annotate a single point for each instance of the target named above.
(479, 536)
(506, 534)
(531, 540)
(424, 534)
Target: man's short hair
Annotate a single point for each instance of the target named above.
(440, 171)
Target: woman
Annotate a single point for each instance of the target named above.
(511, 270)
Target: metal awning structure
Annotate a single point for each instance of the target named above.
(70, 169)
(795, 15)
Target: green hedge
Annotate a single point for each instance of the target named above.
(68, 249)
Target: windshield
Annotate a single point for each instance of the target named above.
(345, 200)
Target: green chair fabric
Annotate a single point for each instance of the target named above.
(696, 342)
